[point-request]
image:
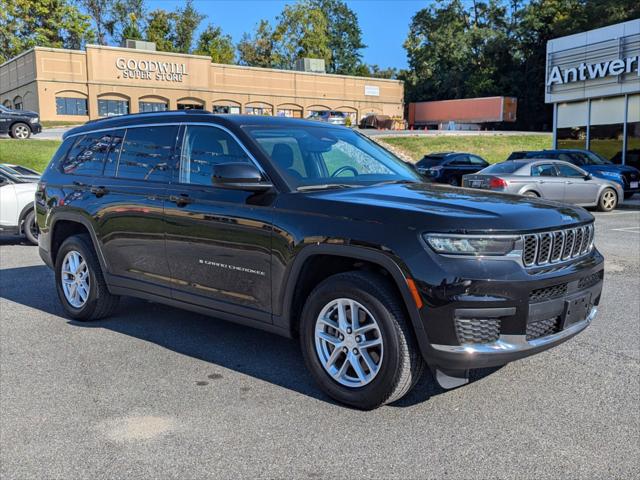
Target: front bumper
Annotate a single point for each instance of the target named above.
(35, 128)
(488, 323)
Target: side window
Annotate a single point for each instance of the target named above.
(147, 153)
(113, 154)
(202, 148)
(87, 155)
(544, 170)
(460, 160)
(568, 171)
(476, 161)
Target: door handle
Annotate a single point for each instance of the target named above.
(99, 191)
(180, 200)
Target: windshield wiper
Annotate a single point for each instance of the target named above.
(324, 186)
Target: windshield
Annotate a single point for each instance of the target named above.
(592, 158)
(504, 167)
(309, 155)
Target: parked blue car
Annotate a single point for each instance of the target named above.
(593, 163)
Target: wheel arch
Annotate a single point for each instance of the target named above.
(23, 214)
(66, 224)
(296, 290)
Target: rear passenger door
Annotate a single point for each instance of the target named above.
(130, 206)
(218, 239)
(550, 186)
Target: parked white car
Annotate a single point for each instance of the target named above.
(17, 215)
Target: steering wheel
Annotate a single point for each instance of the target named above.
(345, 168)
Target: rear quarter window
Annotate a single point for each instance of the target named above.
(87, 155)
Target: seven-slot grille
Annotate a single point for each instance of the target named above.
(550, 247)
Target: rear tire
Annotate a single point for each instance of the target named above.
(608, 200)
(30, 227)
(531, 194)
(397, 361)
(454, 182)
(95, 301)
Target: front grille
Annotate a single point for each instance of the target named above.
(630, 177)
(548, 293)
(590, 280)
(550, 247)
(477, 330)
(542, 328)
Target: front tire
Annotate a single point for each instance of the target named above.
(21, 131)
(356, 341)
(608, 200)
(80, 283)
(30, 227)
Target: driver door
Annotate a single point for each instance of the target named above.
(578, 190)
(218, 240)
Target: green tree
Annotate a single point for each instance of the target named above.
(258, 49)
(214, 43)
(187, 20)
(302, 31)
(47, 23)
(161, 30)
(101, 13)
(345, 36)
(128, 18)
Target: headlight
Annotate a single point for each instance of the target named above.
(34, 120)
(476, 245)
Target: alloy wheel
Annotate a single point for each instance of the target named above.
(609, 200)
(21, 132)
(349, 342)
(75, 279)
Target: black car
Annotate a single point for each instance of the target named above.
(449, 167)
(19, 124)
(627, 176)
(315, 232)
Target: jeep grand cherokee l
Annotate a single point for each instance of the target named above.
(315, 232)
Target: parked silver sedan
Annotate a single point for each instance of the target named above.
(550, 179)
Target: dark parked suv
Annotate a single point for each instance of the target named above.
(449, 167)
(19, 124)
(315, 232)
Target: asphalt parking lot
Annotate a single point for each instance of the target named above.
(156, 392)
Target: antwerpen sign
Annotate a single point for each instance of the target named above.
(591, 71)
(151, 70)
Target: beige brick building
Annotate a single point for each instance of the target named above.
(76, 85)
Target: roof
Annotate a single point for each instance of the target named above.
(123, 121)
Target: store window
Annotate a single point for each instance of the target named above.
(606, 129)
(633, 132)
(112, 108)
(289, 113)
(190, 106)
(571, 127)
(232, 109)
(152, 107)
(71, 106)
(258, 111)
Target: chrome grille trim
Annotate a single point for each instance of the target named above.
(556, 246)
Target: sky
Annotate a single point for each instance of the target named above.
(384, 23)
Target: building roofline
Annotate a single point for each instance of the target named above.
(185, 55)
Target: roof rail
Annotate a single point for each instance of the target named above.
(190, 111)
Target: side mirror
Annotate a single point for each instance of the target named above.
(3, 181)
(239, 176)
(587, 177)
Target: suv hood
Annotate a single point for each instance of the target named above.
(442, 208)
(610, 168)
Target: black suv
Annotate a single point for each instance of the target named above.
(449, 167)
(315, 232)
(19, 123)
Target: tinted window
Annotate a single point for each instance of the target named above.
(504, 167)
(544, 170)
(430, 161)
(87, 155)
(147, 153)
(460, 160)
(114, 153)
(568, 171)
(477, 161)
(202, 148)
